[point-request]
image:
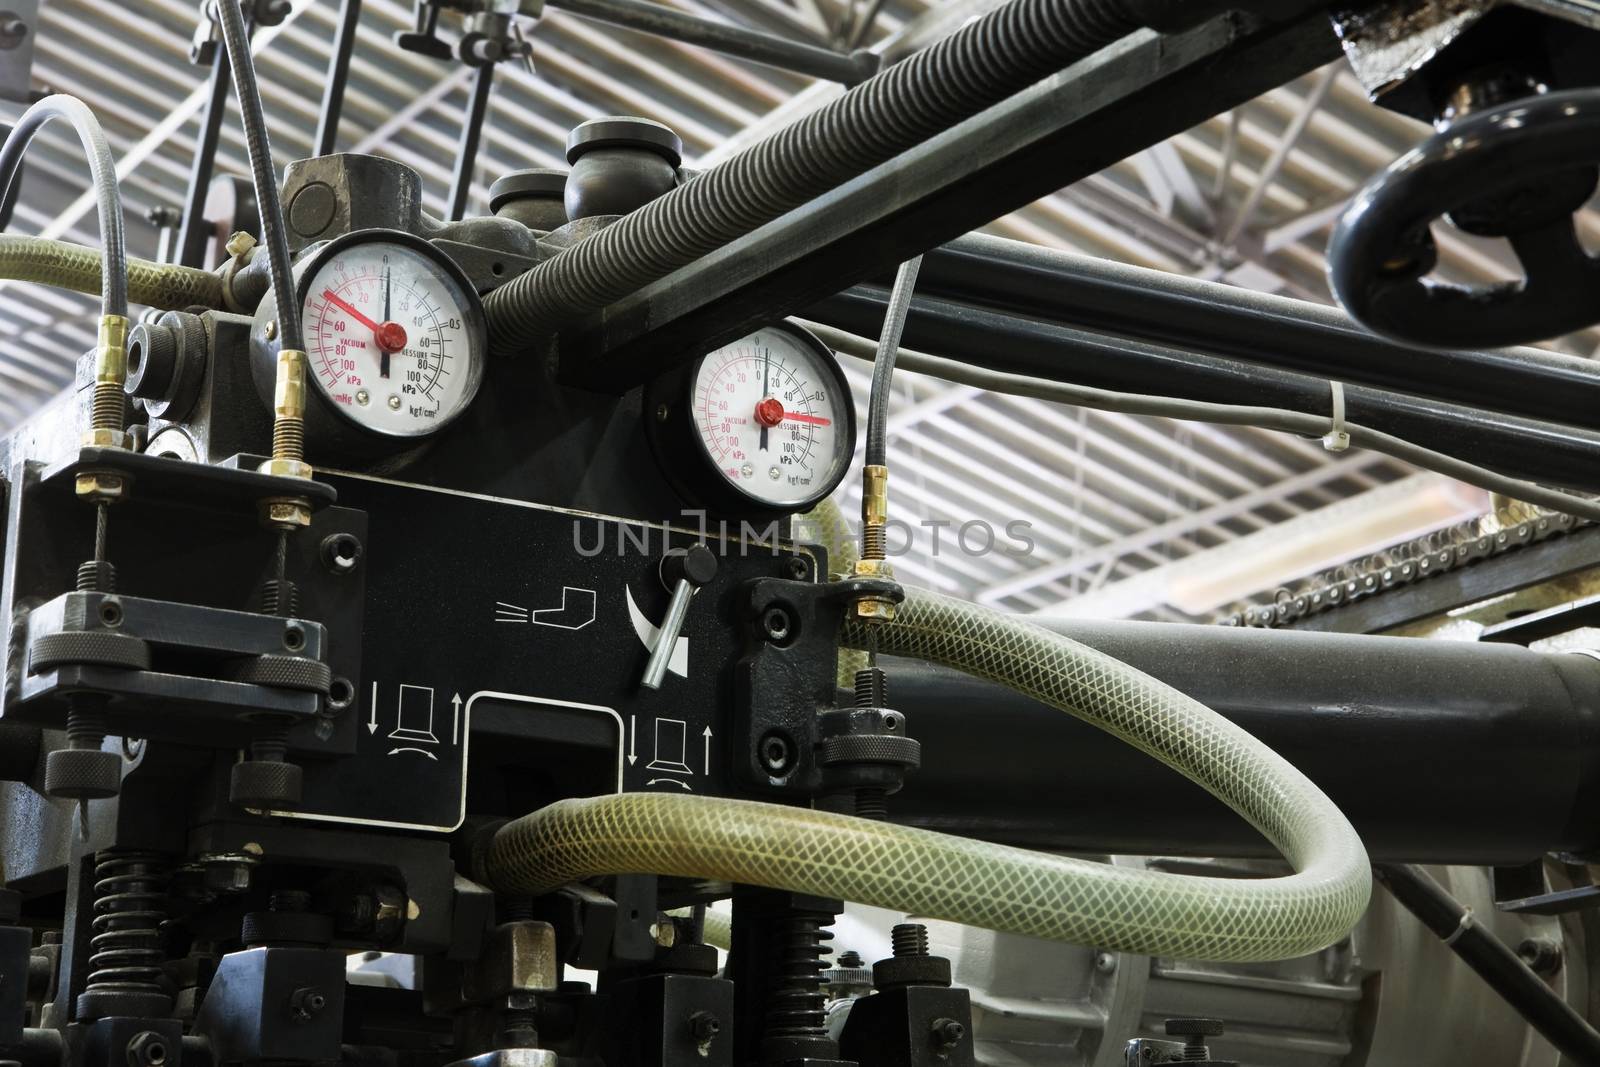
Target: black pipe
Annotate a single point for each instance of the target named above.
(194, 232)
(467, 146)
(1438, 751)
(1258, 328)
(1547, 452)
(758, 47)
(344, 43)
(1494, 962)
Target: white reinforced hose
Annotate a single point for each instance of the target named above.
(982, 884)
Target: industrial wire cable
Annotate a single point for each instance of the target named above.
(1300, 423)
(103, 177)
(894, 324)
(980, 883)
(237, 40)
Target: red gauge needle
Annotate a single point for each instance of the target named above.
(769, 412)
(391, 336)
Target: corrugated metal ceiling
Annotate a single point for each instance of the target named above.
(1246, 197)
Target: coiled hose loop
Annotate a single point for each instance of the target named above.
(981, 884)
(972, 69)
(102, 175)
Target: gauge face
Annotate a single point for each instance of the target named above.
(775, 417)
(394, 338)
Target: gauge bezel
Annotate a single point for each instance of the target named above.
(474, 323)
(681, 449)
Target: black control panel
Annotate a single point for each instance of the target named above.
(520, 634)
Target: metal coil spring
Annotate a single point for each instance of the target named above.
(130, 904)
(797, 1006)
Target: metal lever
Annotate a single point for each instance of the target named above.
(684, 571)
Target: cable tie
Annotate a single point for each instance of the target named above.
(1467, 922)
(1337, 439)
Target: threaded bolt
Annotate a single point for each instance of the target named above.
(872, 688)
(106, 411)
(289, 438)
(97, 576)
(86, 723)
(850, 958)
(1194, 1033)
(874, 542)
(280, 597)
(289, 900)
(909, 941)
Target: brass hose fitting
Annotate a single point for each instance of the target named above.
(108, 411)
(874, 561)
(288, 442)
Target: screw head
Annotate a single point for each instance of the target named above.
(776, 624)
(147, 1049)
(306, 1003)
(777, 753)
(947, 1033)
(704, 1026)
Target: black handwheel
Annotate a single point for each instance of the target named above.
(1519, 171)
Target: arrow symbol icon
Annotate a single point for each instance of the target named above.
(707, 736)
(455, 723)
(372, 725)
(633, 738)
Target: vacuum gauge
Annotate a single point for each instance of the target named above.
(765, 424)
(394, 335)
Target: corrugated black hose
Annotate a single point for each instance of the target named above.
(976, 67)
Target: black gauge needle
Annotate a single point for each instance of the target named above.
(766, 375)
(383, 358)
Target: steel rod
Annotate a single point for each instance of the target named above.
(755, 45)
(467, 147)
(1492, 960)
(344, 43)
(194, 232)
(1256, 328)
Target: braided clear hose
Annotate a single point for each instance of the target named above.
(72, 266)
(983, 884)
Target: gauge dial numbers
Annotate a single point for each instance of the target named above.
(394, 338)
(773, 419)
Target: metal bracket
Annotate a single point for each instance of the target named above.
(193, 650)
(788, 677)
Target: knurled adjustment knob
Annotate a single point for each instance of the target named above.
(265, 784)
(1194, 1030)
(82, 774)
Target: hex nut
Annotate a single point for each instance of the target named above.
(100, 486)
(103, 437)
(292, 514)
(518, 958)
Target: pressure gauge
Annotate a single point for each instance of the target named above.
(394, 336)
(763, 425)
